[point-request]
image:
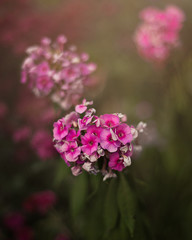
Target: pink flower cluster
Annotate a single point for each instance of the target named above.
(60, 72)
(159, 32)
(94, 143)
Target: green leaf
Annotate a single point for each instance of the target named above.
(78, 194)
(62, 172)
(126, 204)
(110, 206)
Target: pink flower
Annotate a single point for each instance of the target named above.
(60, 130)
(42, 143)
(14, 220)
(21, 134)
(44, 83)
(40, 202)
(83, 123)
(90, 143)
(115, 162)
(81, 108)
(71, 73)
(53, 70)
(43, 68)
(109, 120)
(91, 137)
(96, 131)
(72, 135)
(107, 141)
(71, 151)
(159, 32)
(123, 132)
(71, 118)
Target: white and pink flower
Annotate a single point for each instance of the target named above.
(82, 140)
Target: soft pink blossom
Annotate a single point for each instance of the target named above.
(14, 220)
(158, 33)
(72, 151)
(60, 129)
(96, 131)
(123, 132)
(41, 142)
(115, 162)
(21, 134)
(90, 143)
(52, 69)
(109, 120)
(107, 141)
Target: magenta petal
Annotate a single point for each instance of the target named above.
(70, 157)
(80, 108)
(112, 148)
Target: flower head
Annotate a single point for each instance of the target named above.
(55, 70)
(96, 143)
(159, 32)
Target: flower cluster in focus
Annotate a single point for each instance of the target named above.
(60, 72)
(159, 32)
(95, 143)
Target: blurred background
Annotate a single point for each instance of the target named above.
(39, 197)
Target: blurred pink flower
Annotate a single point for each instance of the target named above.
(58, 71)
(40, 202)
(21, 134)
(42, 143)
(14, 220)
(159, 32)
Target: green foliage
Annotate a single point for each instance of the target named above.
(78, 194)
(127, 204)
(110, 213)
